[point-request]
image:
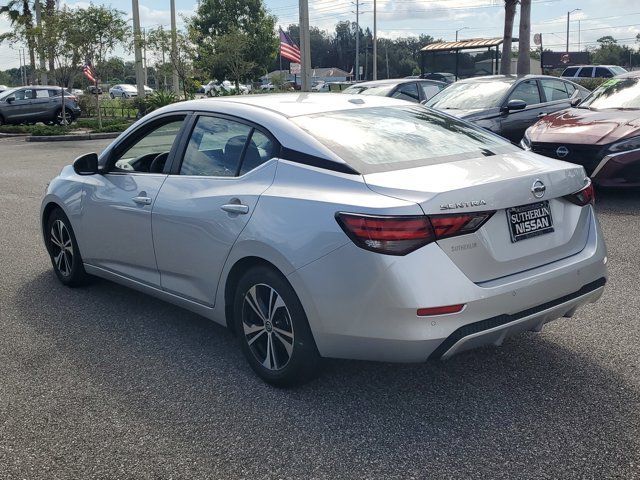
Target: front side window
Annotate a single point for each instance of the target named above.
(215, 148)
(22, 94)
(603, 72)
(554, 90)
(380, 139)
(149, 152)
(570, 72)
(526, 91)
(260, 149)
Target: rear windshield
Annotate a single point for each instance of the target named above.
(380, 139)
(380, 90)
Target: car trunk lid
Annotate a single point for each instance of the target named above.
(497, 183)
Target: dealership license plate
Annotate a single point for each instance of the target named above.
(528, 221)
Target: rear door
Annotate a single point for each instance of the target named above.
(585, 72)
(515, 122)
(41, 105)
(206, 202)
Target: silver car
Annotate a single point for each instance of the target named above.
(331, 226)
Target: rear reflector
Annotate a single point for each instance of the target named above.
(399, 235)
(425, 312)
(583, 197)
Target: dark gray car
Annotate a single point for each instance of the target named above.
(413, 90)
(508, 105)
(37, 104)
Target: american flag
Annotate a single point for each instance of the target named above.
(88, 72)
(288, 48)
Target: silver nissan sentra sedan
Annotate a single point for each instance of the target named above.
(331, 226)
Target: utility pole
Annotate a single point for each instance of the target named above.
(375, 42)
(137, 49)
(357, 40)
(43, 67)
(459, 30)
(21, 70)
(386, 54)
(174, 49)
(305, 50)
(24, 64)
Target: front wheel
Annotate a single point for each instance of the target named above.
(66, 119)
(63, 250)
(273, 330)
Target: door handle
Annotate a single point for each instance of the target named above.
(142, 200)
(236, 208)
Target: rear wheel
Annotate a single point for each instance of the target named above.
(66, 119)
(63, 250)
(273, 330)
(112, 95)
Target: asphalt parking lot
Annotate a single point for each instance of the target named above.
(104, 382)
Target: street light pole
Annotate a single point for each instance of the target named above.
(459, 30)
(305, 47)
(136, 45)
(568, 17)
(375, 42)
(357, 72)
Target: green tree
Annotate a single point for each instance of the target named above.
(215, 18)
(22, 29)
(231, 54)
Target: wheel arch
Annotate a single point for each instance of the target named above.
(239, 268)
(47, 210)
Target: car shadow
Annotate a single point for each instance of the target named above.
(530, 404)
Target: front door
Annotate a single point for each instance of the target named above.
(19, 108)
(515, 122)
(205, 204)
(117, 208)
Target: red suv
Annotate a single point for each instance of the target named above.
(602, 133)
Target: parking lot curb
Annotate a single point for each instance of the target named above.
(70, 138)
(12, 135)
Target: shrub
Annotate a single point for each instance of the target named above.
(589, 83)
(47, 130)
(14, 129)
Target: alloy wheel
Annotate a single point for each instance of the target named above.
(267, 326)
(63, 119)
(61, 248)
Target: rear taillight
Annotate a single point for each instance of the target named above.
(399, 235)
(393, 235)
(583, 197)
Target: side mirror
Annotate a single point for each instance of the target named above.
(514, 105)
(86, 164)
(10, 99)
(576, 101)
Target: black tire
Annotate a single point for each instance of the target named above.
(294, 358)
(112, 96)
(68, 267)
(1, 121)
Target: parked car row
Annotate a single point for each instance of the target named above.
(214, 88)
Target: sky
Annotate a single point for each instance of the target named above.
(438, 18)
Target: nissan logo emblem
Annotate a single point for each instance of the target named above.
(538, 189)
(562, 151)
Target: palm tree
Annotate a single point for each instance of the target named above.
(21, 19)
(509, 15)
(524, 49)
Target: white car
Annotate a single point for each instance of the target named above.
(3, 88)
(592, 71)
(123, 91)
(267, 87)
(339, 226)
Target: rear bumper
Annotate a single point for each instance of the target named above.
(363, 305)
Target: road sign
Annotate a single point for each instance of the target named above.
(537, 38)
(295, 68)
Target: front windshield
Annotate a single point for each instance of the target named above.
(617, 93)
(380, 90)
(470, 96)
(7, 93)
(379, 139)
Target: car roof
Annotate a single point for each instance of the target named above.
(394, 81)
(289, 104)
(506, 78)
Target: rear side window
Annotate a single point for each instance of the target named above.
(407, 91)
(586, 72)
(215, 148)
(526, 91)
(603, 72)
(42, 93)
(380, 139)
(570, 72)
(259, 149)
